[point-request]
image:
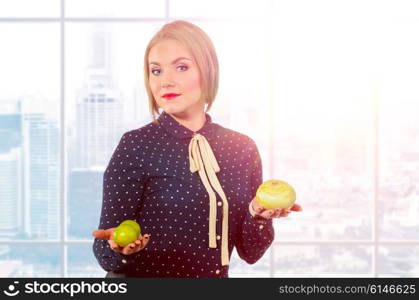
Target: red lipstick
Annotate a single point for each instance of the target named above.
(170, 96)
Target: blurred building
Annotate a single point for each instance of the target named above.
(99, 112)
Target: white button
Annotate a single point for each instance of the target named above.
(218, 237)
(217, 271)
(124, 261)
(220, 203)
(260, 226)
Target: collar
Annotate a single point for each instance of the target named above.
(176, 129)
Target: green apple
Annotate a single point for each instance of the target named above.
(275, 194)
(134, 224)
(124, 235)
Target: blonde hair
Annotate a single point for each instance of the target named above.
(200, 46)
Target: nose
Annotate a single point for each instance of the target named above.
(167, 80)
(166, 85)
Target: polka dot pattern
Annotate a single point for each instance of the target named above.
(148, 180)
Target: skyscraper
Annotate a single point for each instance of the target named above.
(10, 192)
(29, 170)
(99, 119)
(11, 169)
(42, 175)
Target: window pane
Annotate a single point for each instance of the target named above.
(323, 261)
(399, 165)
(398, 261)
(105, 97)
(85, 198)
(239, 268)
(219, 9)
(30, 260)
(82, 262)
(323, 99)
(116, 8)
(29, 131)
(29, 8)
(398, 94)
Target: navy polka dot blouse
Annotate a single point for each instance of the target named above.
(148, 179)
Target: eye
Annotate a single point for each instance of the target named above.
(182, 68)
(155, 72)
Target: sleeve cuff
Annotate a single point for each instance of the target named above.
(125, 259)
(256, 217)
(122, 259)
(253, 213)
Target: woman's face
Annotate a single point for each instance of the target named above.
(172, 71)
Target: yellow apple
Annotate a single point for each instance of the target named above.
(275, 194)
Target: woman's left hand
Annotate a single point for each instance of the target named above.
(274, 213)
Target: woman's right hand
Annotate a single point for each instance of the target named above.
(107, 234)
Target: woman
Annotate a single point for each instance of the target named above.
(190, 183)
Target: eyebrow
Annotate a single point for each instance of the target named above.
(173, 62)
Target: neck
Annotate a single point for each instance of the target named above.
(193, 122)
